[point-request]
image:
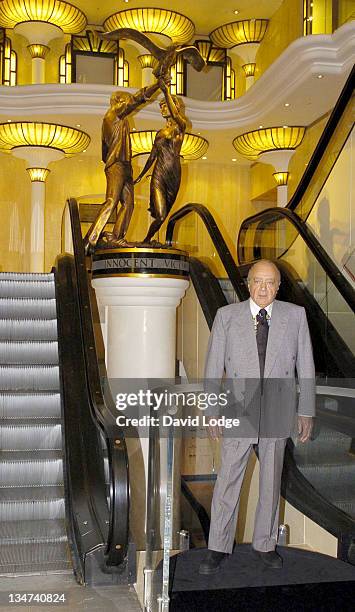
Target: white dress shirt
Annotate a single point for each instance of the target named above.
(255, 308)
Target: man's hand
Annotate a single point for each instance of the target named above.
(305, 426)
(214, 431)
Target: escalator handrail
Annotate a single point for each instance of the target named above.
(219, 243)
(84, 477)
(331, 269)
(103, 409)
(217, 239)
(323, 142)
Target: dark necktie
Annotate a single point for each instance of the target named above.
(262, 332)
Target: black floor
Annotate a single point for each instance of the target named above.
(307, 581)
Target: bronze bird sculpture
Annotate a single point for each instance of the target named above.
(166, 57)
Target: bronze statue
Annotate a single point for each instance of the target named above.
(117, 154)
(166, 177)
(116, 144)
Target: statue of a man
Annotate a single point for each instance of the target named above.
(117, 154)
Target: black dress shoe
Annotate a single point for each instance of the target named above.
(212, 562)
(269, 558)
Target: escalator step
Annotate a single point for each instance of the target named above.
(34, 405)
(348, 506)
(27, 276)
(322, 475)
(31, 554)
(11, 308)
(328, 436)
(28, 329)
(29, 378)
(26, 289)
(22, 531)
(325, 458)
(340, 496)
(32, 503)
(29, 437)
(25, 352)
(29, 469)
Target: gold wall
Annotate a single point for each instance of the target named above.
(225, 190)
(285, 26)
(346, 11)
(15, 203)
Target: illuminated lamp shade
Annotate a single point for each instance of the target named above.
(40, 21)
(147, 60)
(239, 32)
(35, 134)
(38, 51)
(61, 14)
(249, 69)
(177, 27)
(38, 174)
(193, 146)
(274, 146)
(281, 178)
(255, 143)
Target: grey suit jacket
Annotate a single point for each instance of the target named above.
(232, 349)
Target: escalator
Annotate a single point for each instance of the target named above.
(64, 491)
(32, 505)
(318, 478)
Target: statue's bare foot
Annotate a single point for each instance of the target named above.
(110, 241)
(153, 244)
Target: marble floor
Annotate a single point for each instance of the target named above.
(77, 598)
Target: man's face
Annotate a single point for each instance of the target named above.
(263, 283)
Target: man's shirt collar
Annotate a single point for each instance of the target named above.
(254, 308)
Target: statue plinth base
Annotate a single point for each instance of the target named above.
(143, 262)
(138, 291)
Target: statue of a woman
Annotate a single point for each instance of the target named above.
(166, 177)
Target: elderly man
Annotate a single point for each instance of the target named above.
(261, 341)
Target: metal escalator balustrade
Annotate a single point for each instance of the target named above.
(32, 508)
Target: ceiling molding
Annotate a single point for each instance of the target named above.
(292, 77)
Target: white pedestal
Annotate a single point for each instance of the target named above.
(140, 324)
(139, 331)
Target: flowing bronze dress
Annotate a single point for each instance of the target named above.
(166, 177)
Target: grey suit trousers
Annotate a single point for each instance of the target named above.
(225, 503)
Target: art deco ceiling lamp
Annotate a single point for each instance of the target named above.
(147, 62)
(244, 37)
(177, 27)
(275, 146)
(160, 24)
(193, 146)
(40, 21)
(39, 144)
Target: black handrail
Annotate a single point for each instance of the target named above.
(335, 275)
(235, 277)
(103, 409)
(324, 140)
(84, 477)
(218, 241)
